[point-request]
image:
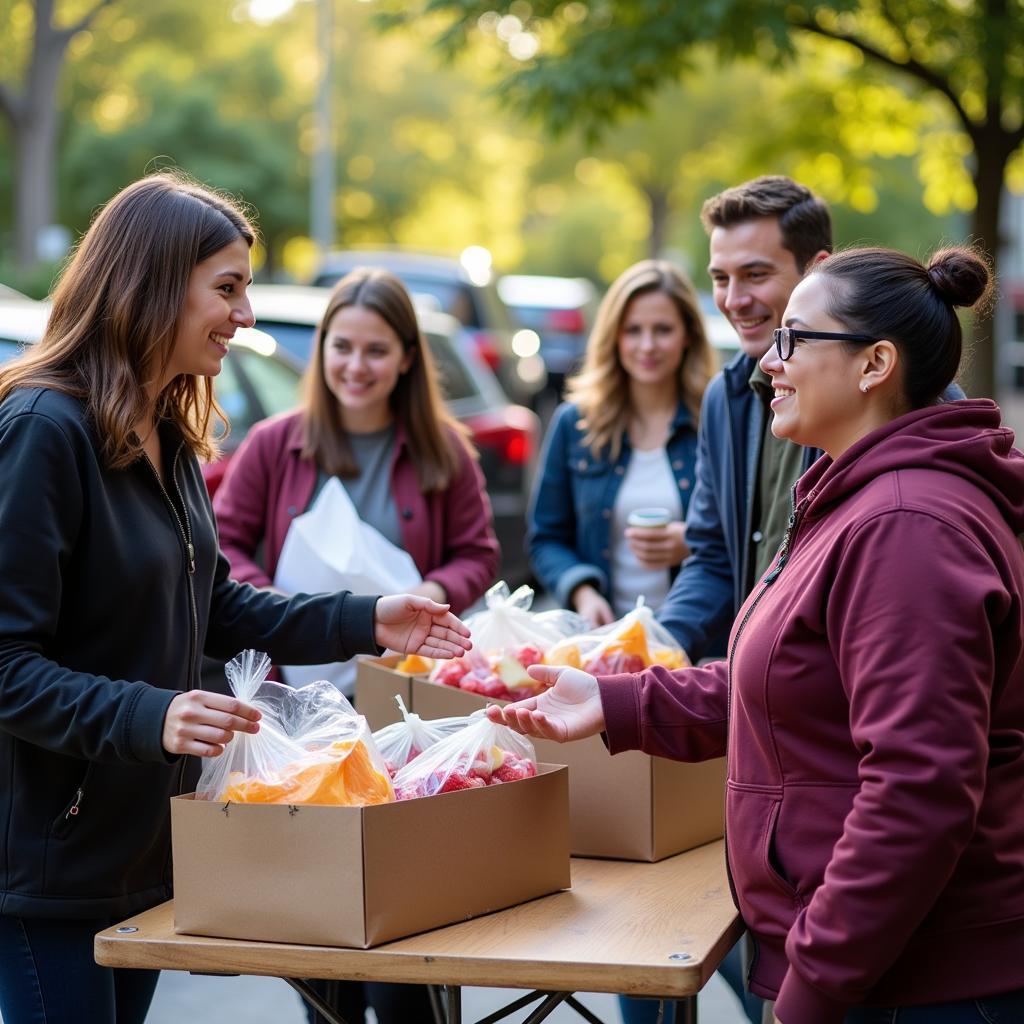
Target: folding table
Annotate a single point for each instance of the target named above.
(656, 930)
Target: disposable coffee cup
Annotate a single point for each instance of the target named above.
(649, 517)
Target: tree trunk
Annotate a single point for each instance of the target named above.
(34, 131)
(35, 145)
(978, 376)
(658, 209)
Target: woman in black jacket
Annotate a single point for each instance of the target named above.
(114, 587)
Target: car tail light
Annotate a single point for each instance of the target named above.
(564, 321)
(511, 433)
(487, 348)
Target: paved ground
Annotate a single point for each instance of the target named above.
(181, 998)
(184, 999)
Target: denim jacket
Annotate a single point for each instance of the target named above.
(570, 517)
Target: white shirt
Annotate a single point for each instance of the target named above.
(649, 483)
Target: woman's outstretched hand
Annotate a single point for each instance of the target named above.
(570, 710)
(417, 625)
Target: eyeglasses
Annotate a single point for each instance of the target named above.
(787, 337)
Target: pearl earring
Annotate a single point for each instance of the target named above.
(865, 387)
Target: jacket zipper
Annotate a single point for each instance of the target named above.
(72, 811)
(783, 557)
(185, 532)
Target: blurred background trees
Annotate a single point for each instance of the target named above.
(567, 138)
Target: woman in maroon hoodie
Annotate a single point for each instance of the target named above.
(872, 705)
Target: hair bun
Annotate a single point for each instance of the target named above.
(960, 275)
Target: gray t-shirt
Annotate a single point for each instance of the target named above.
(371, 490)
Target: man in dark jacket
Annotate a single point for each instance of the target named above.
(764, 234)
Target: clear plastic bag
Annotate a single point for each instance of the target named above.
(402, 741)
(633, 643)
(312, 747)
(482, 754)
(507, 639)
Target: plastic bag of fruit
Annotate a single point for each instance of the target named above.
(312, 747)
(507, 639)
(402, 741)
(482, 754)
(633, 643)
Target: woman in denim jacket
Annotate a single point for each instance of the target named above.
(625, 440)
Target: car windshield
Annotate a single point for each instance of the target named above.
(455, 381)
(296, 338)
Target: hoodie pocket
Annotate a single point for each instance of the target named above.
(768, 902)
(772, 863)
(65, 822)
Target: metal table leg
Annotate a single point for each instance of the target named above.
(453, 999)
(686, 1010)
(320, 1005)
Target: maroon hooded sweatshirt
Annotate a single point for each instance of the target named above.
(875, 803)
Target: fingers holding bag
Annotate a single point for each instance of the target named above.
(203, 723)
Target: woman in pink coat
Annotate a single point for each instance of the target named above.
(371, 416)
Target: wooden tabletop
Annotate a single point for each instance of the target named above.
(642, 929)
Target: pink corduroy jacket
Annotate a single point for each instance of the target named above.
(449, 534)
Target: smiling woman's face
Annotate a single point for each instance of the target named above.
(818, 401)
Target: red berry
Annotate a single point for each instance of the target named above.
(528, 655)
(450, 672)
(457, 781)
(513, 769)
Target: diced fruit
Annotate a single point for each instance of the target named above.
(512, 673)
(612, 662)
(451, 672)
(564, 654)
(528, 655)
(414, 665)
(669, 658)
(457, 781)
(514, 769)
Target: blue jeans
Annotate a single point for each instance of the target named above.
(1002, 1009)
(48, 976)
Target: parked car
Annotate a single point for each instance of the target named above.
(22, 322)
(464, 289)
(259, 377)
(721, 333)
(505, 434)
(561, 311)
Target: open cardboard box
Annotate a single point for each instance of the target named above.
(631, 806)
(359, 876)
(377, 683)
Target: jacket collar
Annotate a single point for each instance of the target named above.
(295, 438)
(737, 374)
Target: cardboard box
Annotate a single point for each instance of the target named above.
(377, 682)
(631, 806)
(359, 876)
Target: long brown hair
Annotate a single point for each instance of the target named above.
(116, 311)
(601, 388)
(433, 433)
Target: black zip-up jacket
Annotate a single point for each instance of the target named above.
(111, 588)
